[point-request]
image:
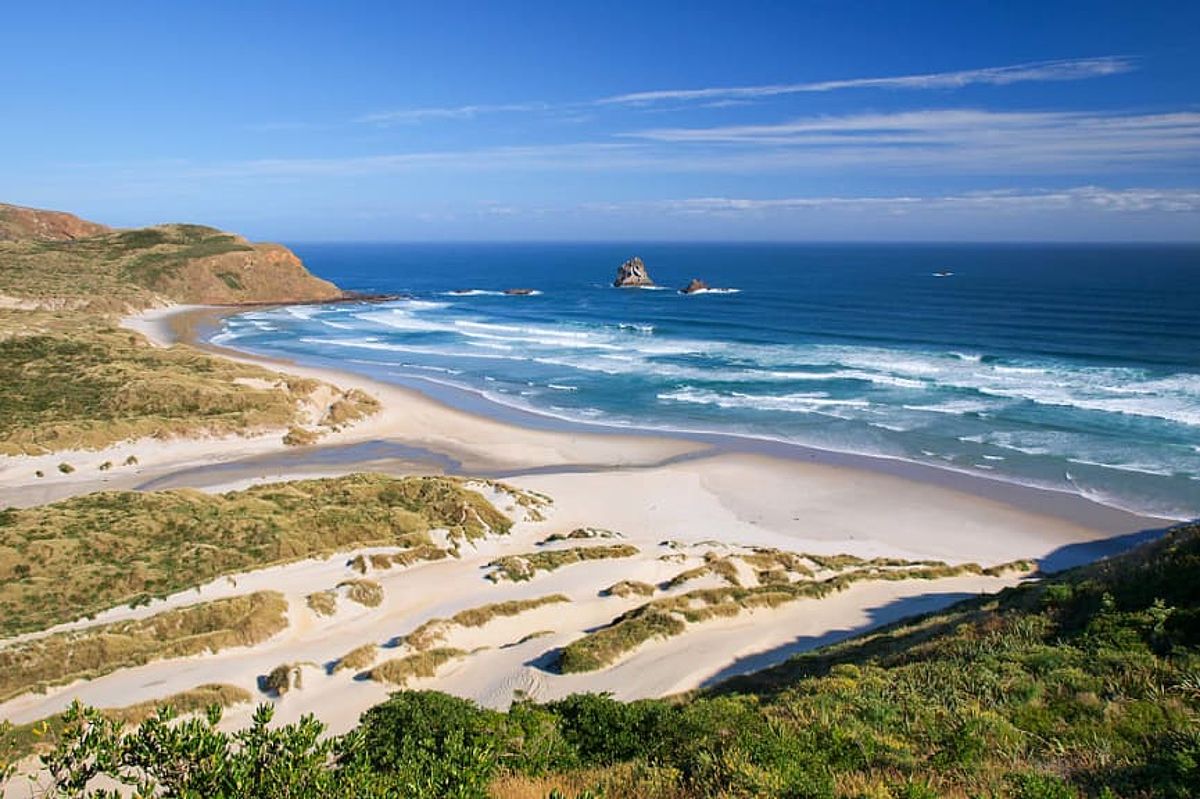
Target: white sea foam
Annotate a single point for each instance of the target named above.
(791, 403)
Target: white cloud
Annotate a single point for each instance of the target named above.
(1060, 70)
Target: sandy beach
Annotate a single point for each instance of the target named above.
(675, 500)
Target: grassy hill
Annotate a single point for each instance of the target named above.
(55, 260)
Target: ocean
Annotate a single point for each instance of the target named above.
(1069, 367)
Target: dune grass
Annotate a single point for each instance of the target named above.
(628, 588)
(436, 629)
(38, 663)
(671, 615)
(76, 382)
(399, 671)
(579, 534)
(73, 558)
(519, 568)
(356, 659)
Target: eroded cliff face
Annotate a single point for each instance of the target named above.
(263, 273)
(17, 223)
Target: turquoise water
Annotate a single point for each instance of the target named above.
(1068, 367)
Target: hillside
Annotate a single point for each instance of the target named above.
(74, 380)
(1084, 684)
(51, 259)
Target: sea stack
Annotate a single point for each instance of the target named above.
(696, 285)
(632, 273)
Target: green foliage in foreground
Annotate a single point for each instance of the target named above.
(1084, 685)
(80, 556)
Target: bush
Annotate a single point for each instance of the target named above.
(434, 744)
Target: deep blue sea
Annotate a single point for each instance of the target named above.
(1069, 367)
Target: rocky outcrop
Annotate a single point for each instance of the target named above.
(632, 273)
(696, 285)
(518, 292)
(19, 224)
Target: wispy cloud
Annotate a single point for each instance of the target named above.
(411, 115)
(726, 96)
(948, 139)
(1060, 70)
(1080, 198)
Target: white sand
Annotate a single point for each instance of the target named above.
(730, 499)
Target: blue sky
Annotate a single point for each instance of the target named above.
(582, 120)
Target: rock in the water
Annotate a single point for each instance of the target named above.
(633, 273)
(518, 292)
(696, 285)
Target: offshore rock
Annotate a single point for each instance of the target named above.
(632, 273)
(696, 285)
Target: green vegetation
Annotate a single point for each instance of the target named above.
(20, 740)
(523, 567)
(86, 384)
(436, 629)
(37, 663)
(1083, 685)
(83, 555)
(670, 616)
(399, 671)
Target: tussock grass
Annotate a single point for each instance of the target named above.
(422, 664)
(124, 547)
(283, 678)
(323, 603)
(628, 588)
(57, 659)
(518, 568)
(367, 593)
(356, 659)
(436, 629)
(670, 616)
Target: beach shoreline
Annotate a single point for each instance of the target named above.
(675, 499)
